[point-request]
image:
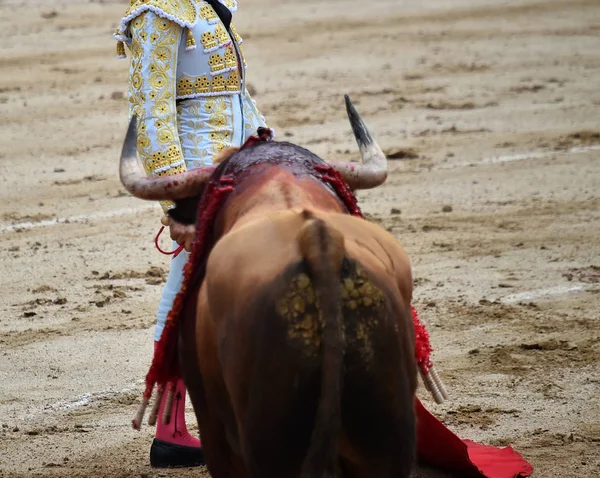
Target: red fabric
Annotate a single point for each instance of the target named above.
(422, 344)
(437, 446)
(262, 135)
(335, 179)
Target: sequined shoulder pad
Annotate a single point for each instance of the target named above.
(182, 12)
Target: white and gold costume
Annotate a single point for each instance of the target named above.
(187, 85)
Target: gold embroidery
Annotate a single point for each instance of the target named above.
(190, 41)
(206, 129)
(216, 63)
(230, 58)
(207, 13)
(161, 54)
(209, 40)
(189, 87)
(162, 24)
(221, 34)
(218, 84)
(221, 63)
(165, 163)
(154, 46)
(138, 22)
(202, 84)
(184, 86)
(233, 82)
(182, 12)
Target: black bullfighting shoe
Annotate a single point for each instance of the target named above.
(169, 455)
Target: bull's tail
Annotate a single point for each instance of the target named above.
(322, 247)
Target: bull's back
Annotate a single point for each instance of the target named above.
(263, 298)
(259, 250)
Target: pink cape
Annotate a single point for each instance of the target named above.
(438, 447)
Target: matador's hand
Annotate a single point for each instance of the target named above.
(181, 233)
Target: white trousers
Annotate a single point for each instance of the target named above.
(170, 290)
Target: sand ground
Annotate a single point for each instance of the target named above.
(489, 113)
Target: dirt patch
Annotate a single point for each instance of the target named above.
(580, 138)
(401, 153)
(153, 276)
(589, 274)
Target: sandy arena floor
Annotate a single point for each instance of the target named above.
(489, 114)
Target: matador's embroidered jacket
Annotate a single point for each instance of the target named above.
(181, 50)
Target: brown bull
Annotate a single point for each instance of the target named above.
(299, 355)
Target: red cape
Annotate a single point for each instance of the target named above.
(438, 447)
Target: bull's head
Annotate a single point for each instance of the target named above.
(370, 173)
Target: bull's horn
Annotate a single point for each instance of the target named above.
(177, 186)
(374, 168)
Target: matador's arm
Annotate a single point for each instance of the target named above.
(152, 88)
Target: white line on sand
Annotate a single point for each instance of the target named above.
(88, 398)
(82, 218)
(542, 293)
(522, 156)
(82, 400)
(537, 154)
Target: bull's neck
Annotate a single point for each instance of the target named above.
(278, 190)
